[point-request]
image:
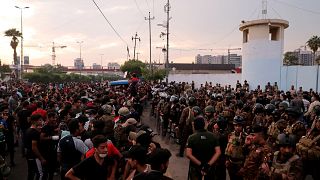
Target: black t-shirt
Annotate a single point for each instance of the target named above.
(89, 169)
(203, 145)
(31, 135)
(23, 118)
(48, 147)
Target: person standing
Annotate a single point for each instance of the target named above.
(202, 150)
(96, 167)
(35, 159)
(71, 149)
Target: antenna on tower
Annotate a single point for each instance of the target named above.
(264, 9)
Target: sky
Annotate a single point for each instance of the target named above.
(194, 24)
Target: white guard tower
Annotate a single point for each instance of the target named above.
(262, 51)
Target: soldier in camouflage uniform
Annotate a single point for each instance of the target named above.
(209, 115)
(259, 153)
(285, 163)
(295, 126)
(234, 150)
(185, 124)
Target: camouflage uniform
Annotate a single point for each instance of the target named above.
(297, 128)
(185, 125)
(291, 168)
(234, 154)
(259, 154)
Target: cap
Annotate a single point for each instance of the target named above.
(135, 135)
(130, 121)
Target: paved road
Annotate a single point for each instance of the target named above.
(178, 167)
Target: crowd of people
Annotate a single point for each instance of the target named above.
(263, 133)
(95, 131)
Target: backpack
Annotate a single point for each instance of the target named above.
(70, 155)
(308, 148)
(273, 130)
(234, 147)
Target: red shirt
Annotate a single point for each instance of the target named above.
(112, 151)
(42, 112)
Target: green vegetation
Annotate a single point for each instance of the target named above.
(14, 42)
(48, 73)
(140, 68)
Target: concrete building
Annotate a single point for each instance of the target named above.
(113, 65)
(209, 59)
(78, 63)
(96, 66)
(235, 59)
(262, 50)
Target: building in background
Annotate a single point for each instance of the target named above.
(78, 63)
(235, 59)
(26, 60)
(113, 65)
(96, 66)
(219, 59)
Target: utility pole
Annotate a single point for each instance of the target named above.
(135, 38)
(167, 10)
(149, 19)
(137, 55)
(101, 63)
(21, 55)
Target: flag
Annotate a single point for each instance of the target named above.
(128, 51)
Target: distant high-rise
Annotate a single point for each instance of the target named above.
(78, 63)
(235, 59)
(96, 66)
(113, 65)
(219, 59)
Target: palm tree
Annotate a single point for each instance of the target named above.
(14, 42)
(314, 43)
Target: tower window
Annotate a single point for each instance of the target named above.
(274, 33)
(245, 35)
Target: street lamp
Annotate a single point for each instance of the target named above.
(81, 62)
(21, 54)
(101, 64)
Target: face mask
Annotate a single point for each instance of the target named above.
(102, 155)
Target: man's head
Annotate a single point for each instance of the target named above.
(199, 123)
(52, 118)
(100, 144)
(137, 155)
(36, 121)
(159, 159)
(286, 145)
(74, 127)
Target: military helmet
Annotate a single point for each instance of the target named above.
(269, 108)
(222, 122)
(258, 108)
(124, 111)
(209, 109)
(173, 98)
(293, 111)
(286, 140)
(196, 110)
(316, 110)
(238, 120)
(284, 105)
(182, 100)
(191, 101)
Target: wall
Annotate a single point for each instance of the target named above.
(223, 79)
(299, 76)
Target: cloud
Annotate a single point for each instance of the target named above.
(108, 45)
(117, 9)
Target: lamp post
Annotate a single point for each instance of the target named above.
(101, 64)
(81, 62)
(21, 54)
